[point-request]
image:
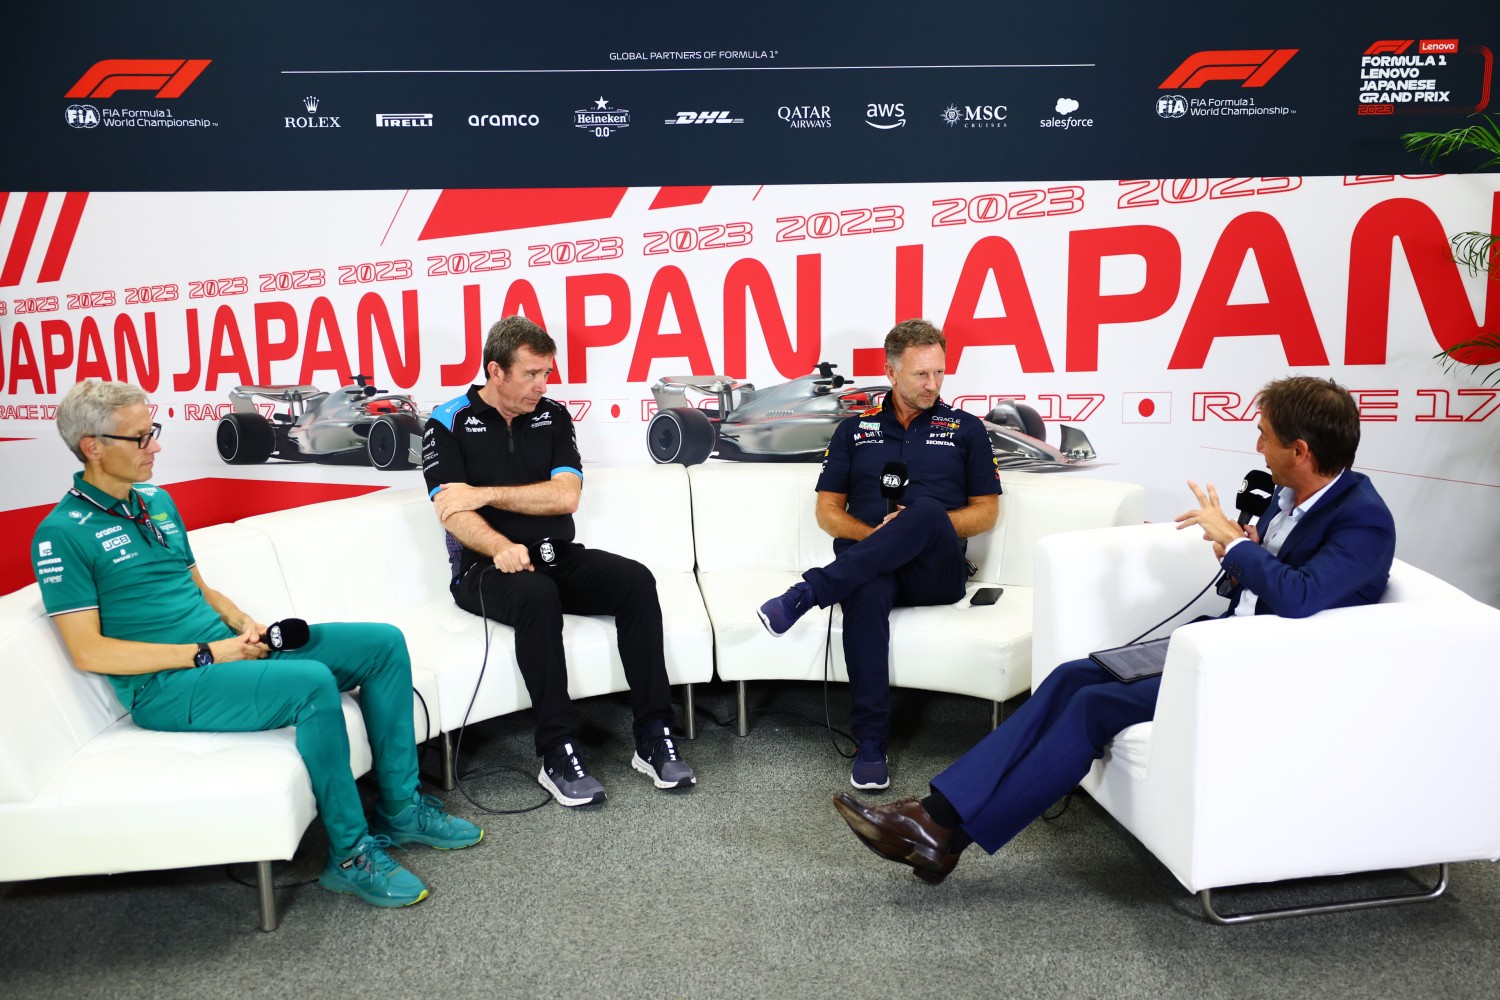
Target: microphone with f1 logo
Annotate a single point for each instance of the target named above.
(1252, 500)
(893, 480)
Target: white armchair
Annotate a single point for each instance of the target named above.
(1360, 739)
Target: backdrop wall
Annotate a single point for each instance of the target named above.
(203, 208)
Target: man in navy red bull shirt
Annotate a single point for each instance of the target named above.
(907, 558)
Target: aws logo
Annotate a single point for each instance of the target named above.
(167, 77)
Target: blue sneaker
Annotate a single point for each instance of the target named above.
(425, 822)
(780, 613)
(870, 771)
(656, 757)
(369, 873)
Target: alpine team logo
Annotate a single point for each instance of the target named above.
(601, 119)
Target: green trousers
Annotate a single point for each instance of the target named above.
(300, 687)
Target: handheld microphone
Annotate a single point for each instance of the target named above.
(289, 633)
(1252, 500)
(893, 480)
(1254, 495)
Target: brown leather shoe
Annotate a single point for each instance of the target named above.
(901, 831)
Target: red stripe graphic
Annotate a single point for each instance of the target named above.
(62, 235)
(20, 244)
(672, 197)
(492, 210)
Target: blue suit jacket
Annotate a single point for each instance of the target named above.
(1337, 556)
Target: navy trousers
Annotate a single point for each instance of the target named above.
(1021, 768)
(915, 559)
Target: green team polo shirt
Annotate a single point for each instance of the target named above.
(91, 552)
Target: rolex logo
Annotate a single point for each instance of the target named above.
(310, 103)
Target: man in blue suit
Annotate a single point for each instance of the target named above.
(1326, 541)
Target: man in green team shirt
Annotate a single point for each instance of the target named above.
(119, 580)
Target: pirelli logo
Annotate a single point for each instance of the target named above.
(1253, 67)
(166, 77)
(403, 121)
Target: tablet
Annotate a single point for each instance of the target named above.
(1133, 663)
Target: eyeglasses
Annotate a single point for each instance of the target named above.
(141, 441)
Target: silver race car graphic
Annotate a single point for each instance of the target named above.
(794, 421)
(357, 424)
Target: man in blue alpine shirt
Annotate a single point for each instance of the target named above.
(909, 558)
(1326, 542)
(505, 477)
(119, 579)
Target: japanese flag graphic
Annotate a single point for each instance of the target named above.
(1146, 408)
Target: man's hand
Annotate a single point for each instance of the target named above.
(885, 520)
(1250, 533)
(513, 558)
(245, 646)
(454, 497)
(1217, 527)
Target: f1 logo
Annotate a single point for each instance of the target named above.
(1254, 66)
(1389, 47)
(168, 77)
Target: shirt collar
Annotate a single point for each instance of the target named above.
(1284, 498)
(100, 497)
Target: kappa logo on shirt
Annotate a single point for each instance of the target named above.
(474, 424)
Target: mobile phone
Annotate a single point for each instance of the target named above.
(986, 595)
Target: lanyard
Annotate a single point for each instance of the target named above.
(143, 518)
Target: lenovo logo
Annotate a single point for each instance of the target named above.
(1253, 66)
(167, 77)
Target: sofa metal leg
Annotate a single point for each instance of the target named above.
(450, 776)
(689, 713)
(742, 712)
(997, 714)
(1205, 898)
(264, 887)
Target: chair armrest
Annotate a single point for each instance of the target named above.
(1357, 739)
(1103, 587)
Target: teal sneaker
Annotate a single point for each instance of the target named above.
(425, 822)
(369, 873)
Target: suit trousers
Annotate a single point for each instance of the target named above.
(300, 687)
(914, 559)
(1036, 756)
(583, 581)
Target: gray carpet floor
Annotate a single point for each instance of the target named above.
(746, 886)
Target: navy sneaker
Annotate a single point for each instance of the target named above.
(369, 873)
(656, 756)
(780, 613)
(425, 822)
(563, 775)
(870, 771)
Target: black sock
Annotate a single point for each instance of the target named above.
(943, 813)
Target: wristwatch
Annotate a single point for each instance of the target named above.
(204, 656)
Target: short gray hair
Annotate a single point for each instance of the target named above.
(89, 408)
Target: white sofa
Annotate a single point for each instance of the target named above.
(755, 533)
(1360, 739)
(83, 790)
